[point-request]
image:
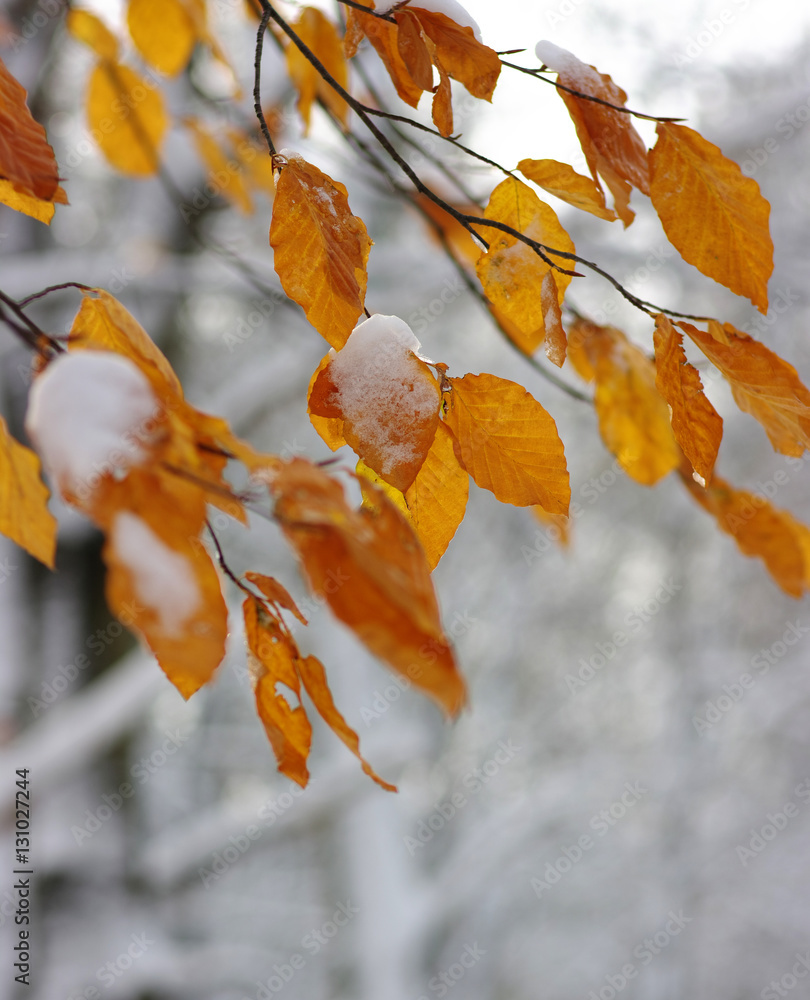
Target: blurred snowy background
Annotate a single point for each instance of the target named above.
(575, 834)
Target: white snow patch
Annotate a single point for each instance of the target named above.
(450, 8)
(290, 154)
(381, 385)
(579, 75)
(89, 414)
(164, 580)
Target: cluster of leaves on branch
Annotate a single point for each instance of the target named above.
(419, 432)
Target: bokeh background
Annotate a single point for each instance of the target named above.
(559, 834)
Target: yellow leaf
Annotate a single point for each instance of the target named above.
(158, 567)
(224, 175)
(713, 214)
(508, 443)
(387, 398)
(314, 678)
(87, 28)
(321, 249)
(697, 426)
(24, 514)
(371, 569)
(27, 164)
(437, 498)
(273, 659)
(384, 37)
(633, 417)
(762, 384)
(320, 35)
(759, 529)
(127, 118)
(163, 32)
(561, 180)
(366, 474)
(609, 140)
(510, 272)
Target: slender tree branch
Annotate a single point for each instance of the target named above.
(367, 10)
(25, 328)
(257, 79)
(53, 288)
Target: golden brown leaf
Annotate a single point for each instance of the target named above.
(275, 593)
(24, 514)
(225, 175)
(713, 214)
(633, 417)
(372, 570)
(610, 142)
(87, 28)
(320, 35)
(554, 338)
(510, 272)
(442, 108)
(387, 398)
(314, 678)
(508, 443)
(384, 37)
(321, 249)
(465, 59)
(27, 163)
(762, 384)
(161, 582)
(759, 529)
(437, 498)
(127, 117)
(561, 180)
(413, 49)
(163, 32)
(273, 659)
(697, 426)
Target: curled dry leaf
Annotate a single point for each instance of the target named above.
(320, 248)
(713, 214)
(507, 442)
(561, 180)
(697, 426)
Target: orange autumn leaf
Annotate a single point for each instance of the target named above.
(633, 417)
(762, 384)
(275, 593)
(224, 174)
(442, 108)
(612, 146)
(475, 65)
(561, 180)
(413, 49)
(385, 395)
(697, 426)
(320, 35)
(507, 442)
(320, 248)
(384, 36)
(24, 514)
(437, 498)
(713, 214)
(28, 170)
(371, 569)
(273, 659)
(157, 565)
(554, 338)
(510, 272)
(329, 428)
(314, 680)
(164, 32)
(759, 529)
(131, 142)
